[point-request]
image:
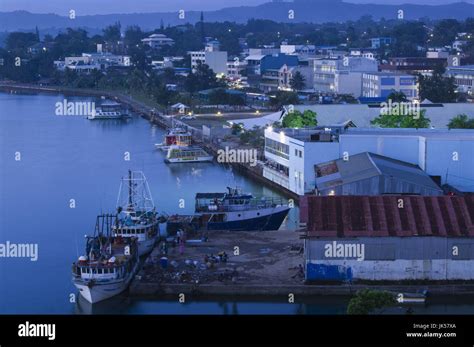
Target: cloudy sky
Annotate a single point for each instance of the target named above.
(84, 7)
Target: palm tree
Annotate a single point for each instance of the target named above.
(397, 97)
(461, 121)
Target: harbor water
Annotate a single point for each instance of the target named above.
(58, 172)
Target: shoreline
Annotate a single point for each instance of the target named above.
(152, 290)
(142, 289)
(150, 114)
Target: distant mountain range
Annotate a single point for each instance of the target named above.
(316, 11)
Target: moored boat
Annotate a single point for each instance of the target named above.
(176, 136)
(178, 154)
(136, 214)
(109, 263)
(108, 110)
(233, 210)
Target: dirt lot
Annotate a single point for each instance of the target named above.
(270, 257)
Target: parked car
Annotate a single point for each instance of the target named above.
(188, 117)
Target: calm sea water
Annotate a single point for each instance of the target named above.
(69, 157)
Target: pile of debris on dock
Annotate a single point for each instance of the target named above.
(223, 259)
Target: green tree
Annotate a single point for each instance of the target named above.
(444, 32)
(203, 78)
(18, 42)
(367, 300)
(401, 120)
(397, 97)
(297, 82)
(461, 121)
(437, 88)
(296, 119)
(282, 98)
(253, 137)
(237, 128)
(73, 42)
(112, 32)
(133, 35)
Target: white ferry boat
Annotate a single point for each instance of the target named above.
(136, 214)
(178, 154)
(108, 110)
(109, 263)
(175, 137)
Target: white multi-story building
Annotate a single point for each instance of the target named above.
(236, 69)
(303, 50)
(463, 77)
(341, 75)
(216, 60)
(292, 153)
(382, 84)
(437, 53)
(157, 41)
(93, 61)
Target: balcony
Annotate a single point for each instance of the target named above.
(277, 176)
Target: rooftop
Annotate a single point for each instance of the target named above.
(390, 73)
(462, 67)
(378, 216)
(366, 165)
(362, 114)
(347, 129)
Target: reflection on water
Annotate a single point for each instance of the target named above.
(70, 157)
(125, 305)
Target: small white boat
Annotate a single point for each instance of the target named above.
(108, 110)
(136, 212)
(109, 265)
(178, 154)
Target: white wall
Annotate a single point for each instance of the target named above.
(405, 148)
(217, 61)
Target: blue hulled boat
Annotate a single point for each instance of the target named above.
(235, 210)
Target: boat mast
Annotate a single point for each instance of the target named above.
(130, 188)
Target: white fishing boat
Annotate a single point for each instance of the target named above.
(136, 214)
(108, 110)
(109, 263)
(178, 154)
(176, 136)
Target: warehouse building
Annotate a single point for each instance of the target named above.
(372, 174)
(291, 154)
(388, 238)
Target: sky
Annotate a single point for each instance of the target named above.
(89, 7)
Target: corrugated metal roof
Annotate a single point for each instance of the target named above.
(352, 216)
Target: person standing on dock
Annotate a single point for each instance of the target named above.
(181, 242)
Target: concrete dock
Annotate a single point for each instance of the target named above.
(263, 262)
(267, 264)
